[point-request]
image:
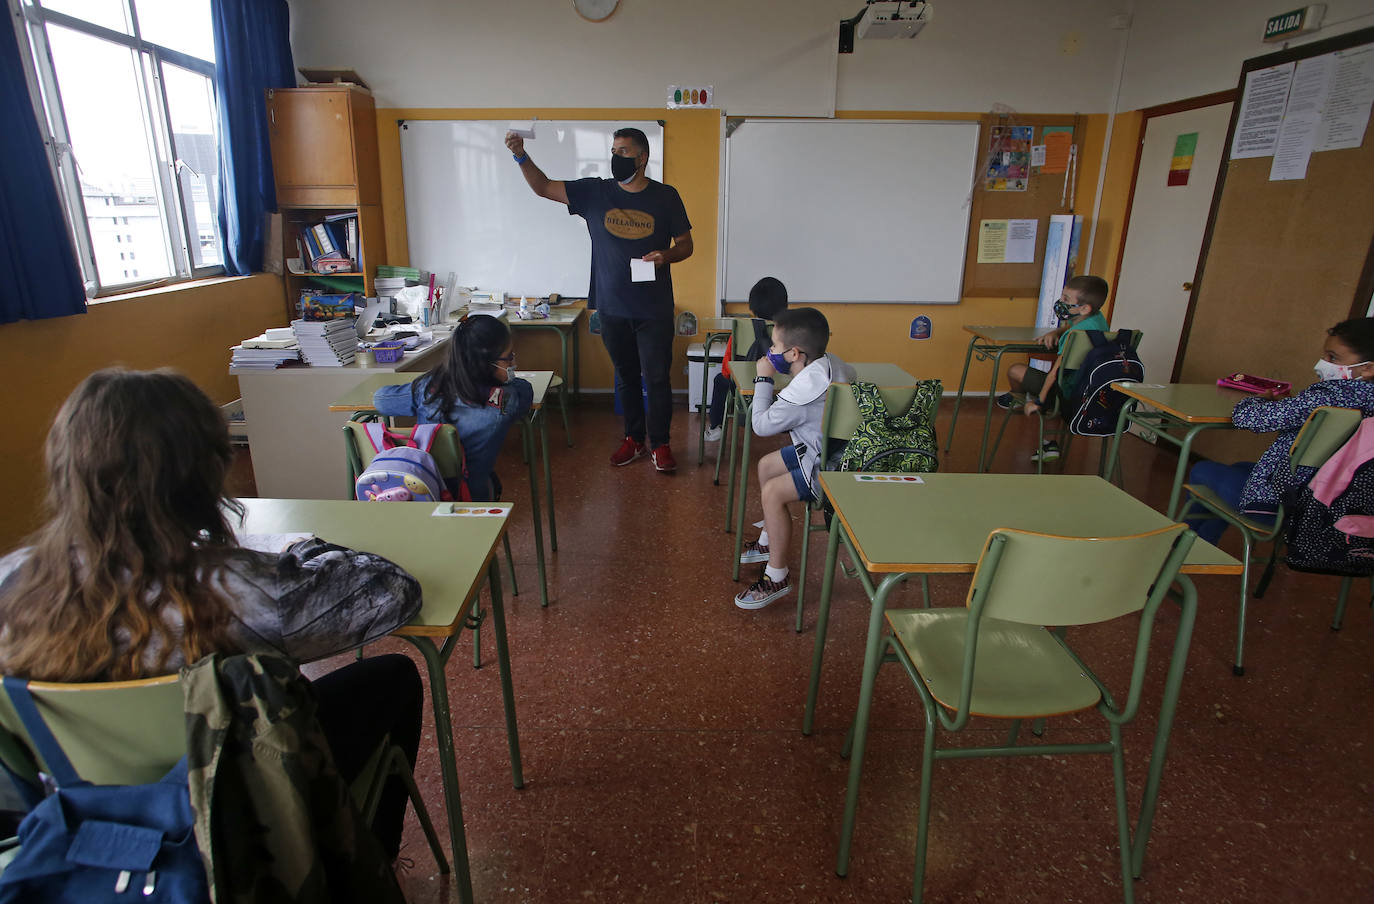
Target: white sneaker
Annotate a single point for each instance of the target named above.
(713, 434)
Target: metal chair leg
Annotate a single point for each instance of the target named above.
(1340, 603)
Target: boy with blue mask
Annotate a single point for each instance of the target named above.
(800, 337)
(1078, 308)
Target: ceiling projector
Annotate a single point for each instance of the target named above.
(894, 19)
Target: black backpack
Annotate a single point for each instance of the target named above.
(1328, 539)
(1093, 402)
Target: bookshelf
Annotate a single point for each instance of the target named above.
(325, 164)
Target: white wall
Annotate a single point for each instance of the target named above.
(1186, 48)
(778, 57)
(762, 56)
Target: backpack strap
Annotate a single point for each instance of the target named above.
(1125, 338)
(376, 434)
(59, 767)
(422, 437)
(1096, 337)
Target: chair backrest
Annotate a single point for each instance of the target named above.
(1077, 345)
(114, 733)
(1041, 579)
(742, 335)
(1325, 431)
(447, 452)
(841, 416)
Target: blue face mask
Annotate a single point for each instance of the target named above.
(779, 361)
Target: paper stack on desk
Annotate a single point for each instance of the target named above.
(326, 343)
(265, 352)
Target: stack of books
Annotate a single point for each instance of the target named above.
(327, 343)
(273, 349)
(331, 245)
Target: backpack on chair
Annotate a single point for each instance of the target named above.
(1093, 402)
(403, 468)
(903, 443)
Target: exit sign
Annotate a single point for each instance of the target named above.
(1296, 22)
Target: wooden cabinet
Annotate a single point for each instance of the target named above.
(324, 160)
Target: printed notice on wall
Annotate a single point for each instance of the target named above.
(1345, 115)
(1261, 111)
(1301, 117)
(1006, 241)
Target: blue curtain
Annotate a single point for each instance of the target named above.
(252, 54)
(39, 275)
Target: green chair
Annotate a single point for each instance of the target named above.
(1076, 348)
(557, 385)
(448, 456)
(741, 338)
(1325, 431)
(715, 330)
(838, 424)
(997, 659)
(134, 732)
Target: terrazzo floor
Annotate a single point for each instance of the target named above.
(664, 762)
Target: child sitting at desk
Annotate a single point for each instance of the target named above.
(1345, 379)
(767, 299)
(137, 572)
(788, 475)
(1080, 308)
(475, 389)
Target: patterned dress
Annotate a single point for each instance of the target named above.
(1271, 477)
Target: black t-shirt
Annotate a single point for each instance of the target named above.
(623, 225)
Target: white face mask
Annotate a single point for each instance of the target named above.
(1330, 370)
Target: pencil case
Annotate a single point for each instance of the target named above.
(1256, 385)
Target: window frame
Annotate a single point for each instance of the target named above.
(31, 19)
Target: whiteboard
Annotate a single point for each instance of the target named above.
(848, 210)
(470, 211)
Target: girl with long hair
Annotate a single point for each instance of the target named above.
(475, 389)
(137, 572)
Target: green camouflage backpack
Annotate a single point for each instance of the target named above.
(903, 443)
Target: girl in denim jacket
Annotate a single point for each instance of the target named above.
(475, 389)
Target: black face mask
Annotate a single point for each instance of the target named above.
(1062, 309)
(623, 168)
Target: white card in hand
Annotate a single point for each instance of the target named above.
(523, 129)
(641, 270)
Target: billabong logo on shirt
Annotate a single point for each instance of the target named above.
(629, 224)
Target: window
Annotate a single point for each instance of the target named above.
(126, 92)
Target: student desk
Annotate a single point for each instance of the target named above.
(562, 320)
(743, 373)
(898, 529)
(359, 398)
(1189, 407)
(992, 342)
(449, 556)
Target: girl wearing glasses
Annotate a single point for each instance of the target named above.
(475, 389)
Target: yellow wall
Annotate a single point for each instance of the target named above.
(189, 328)
(861, 332)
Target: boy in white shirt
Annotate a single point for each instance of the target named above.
(800, 336)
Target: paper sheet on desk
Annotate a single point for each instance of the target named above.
(641, 270)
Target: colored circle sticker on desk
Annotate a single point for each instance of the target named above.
(909, 479)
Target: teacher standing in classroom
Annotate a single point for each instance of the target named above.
(639, 228)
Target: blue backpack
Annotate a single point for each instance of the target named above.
(94, 843)
(1092, 404)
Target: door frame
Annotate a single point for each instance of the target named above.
(1178, 106)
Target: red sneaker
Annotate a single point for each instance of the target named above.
(663, 459)
(628, 452)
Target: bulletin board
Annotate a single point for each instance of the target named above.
(1281, 260)
(1039, 201)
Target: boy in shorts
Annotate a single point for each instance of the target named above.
(800, 336)
(1081, 305)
